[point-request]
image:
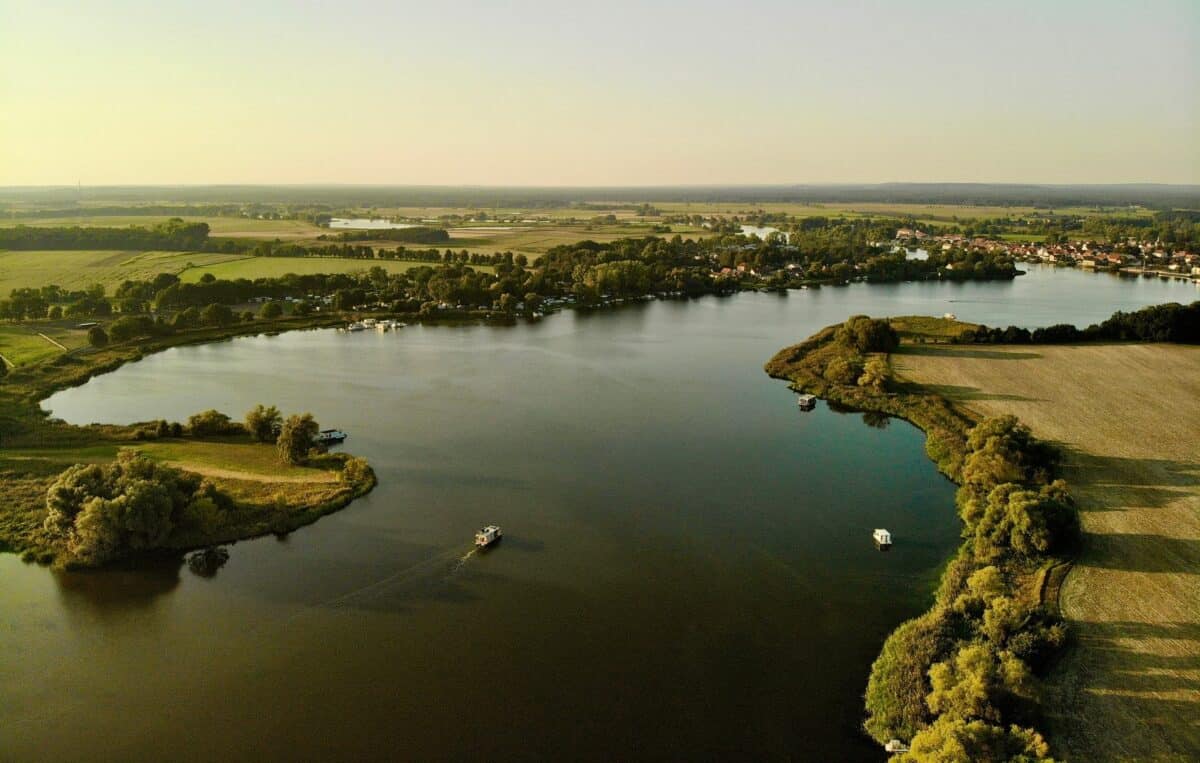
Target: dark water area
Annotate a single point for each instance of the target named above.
(687, 569)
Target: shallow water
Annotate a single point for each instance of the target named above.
(687, 568)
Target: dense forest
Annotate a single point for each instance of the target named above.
(175, 234)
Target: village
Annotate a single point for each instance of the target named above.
(1130, 256)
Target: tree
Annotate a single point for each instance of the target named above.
(3, 368)
(216, 315)
(296, 438)
(54, 313)
(102, 512)
(189, 318)
(97, 337)
(302, 308)
(954, 740)
(866, 334)
(263, 422)
(271, 310)
(844, 370)
(877, 374)
(211, 423)
(976, 684)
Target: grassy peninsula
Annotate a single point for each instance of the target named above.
(983, 673)
(86, 495)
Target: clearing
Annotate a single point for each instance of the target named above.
(1128, 419)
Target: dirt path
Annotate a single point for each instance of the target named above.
(230, 474)
(1128, 418)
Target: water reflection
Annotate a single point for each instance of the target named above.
(111, 592)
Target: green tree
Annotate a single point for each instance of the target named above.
(216, 315)
(262, 422)
(212, 423)
(271, 310)
(867, 334)
(877, 374)
(954, 740)
(296, 438)
(976, 683)
(187, 319)
(844, 370)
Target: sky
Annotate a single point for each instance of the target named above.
(614, 93)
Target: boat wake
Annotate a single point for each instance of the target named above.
(451, 561)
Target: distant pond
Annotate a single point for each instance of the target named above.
(363, 223)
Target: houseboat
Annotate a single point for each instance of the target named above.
(807, 402)
(487, 536)
(883, 538)
(356, 326)
(330, 437)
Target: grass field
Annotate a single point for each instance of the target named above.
(1128, 419)
(23, 345)
(273, 267)
(80, 269)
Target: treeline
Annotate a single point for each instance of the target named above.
(415, 235)
(1171, 322)
(175, 234)
(960, 681)
(963, 676)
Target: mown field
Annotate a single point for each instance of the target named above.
(22, 345)
(272, 267)
(1128, 419)
(80, 269)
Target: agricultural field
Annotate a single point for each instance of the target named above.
(22, 345)
(80, 269)
(273, 267)
(1126, 416)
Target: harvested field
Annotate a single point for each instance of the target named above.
(1128, 419)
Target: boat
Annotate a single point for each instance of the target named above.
(355, 326)
(330, 437)
(882, 537)
(487, 536)
(807, 402)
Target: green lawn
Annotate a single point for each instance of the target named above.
(273, 267)
(21, 345)
(72, 269)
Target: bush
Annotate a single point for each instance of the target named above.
(188, 319)
(212, 423)
(355, 471)
(270, 310)
(129, 327)
(978, 684)
(97, 337)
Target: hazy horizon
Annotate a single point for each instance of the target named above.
(641, 95)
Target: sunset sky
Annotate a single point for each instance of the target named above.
(602, 94)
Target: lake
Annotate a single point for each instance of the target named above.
(363, 223)
(687, 569)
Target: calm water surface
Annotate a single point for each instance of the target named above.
(364, 223)
(687, 570)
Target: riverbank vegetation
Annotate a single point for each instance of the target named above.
(960, 681)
